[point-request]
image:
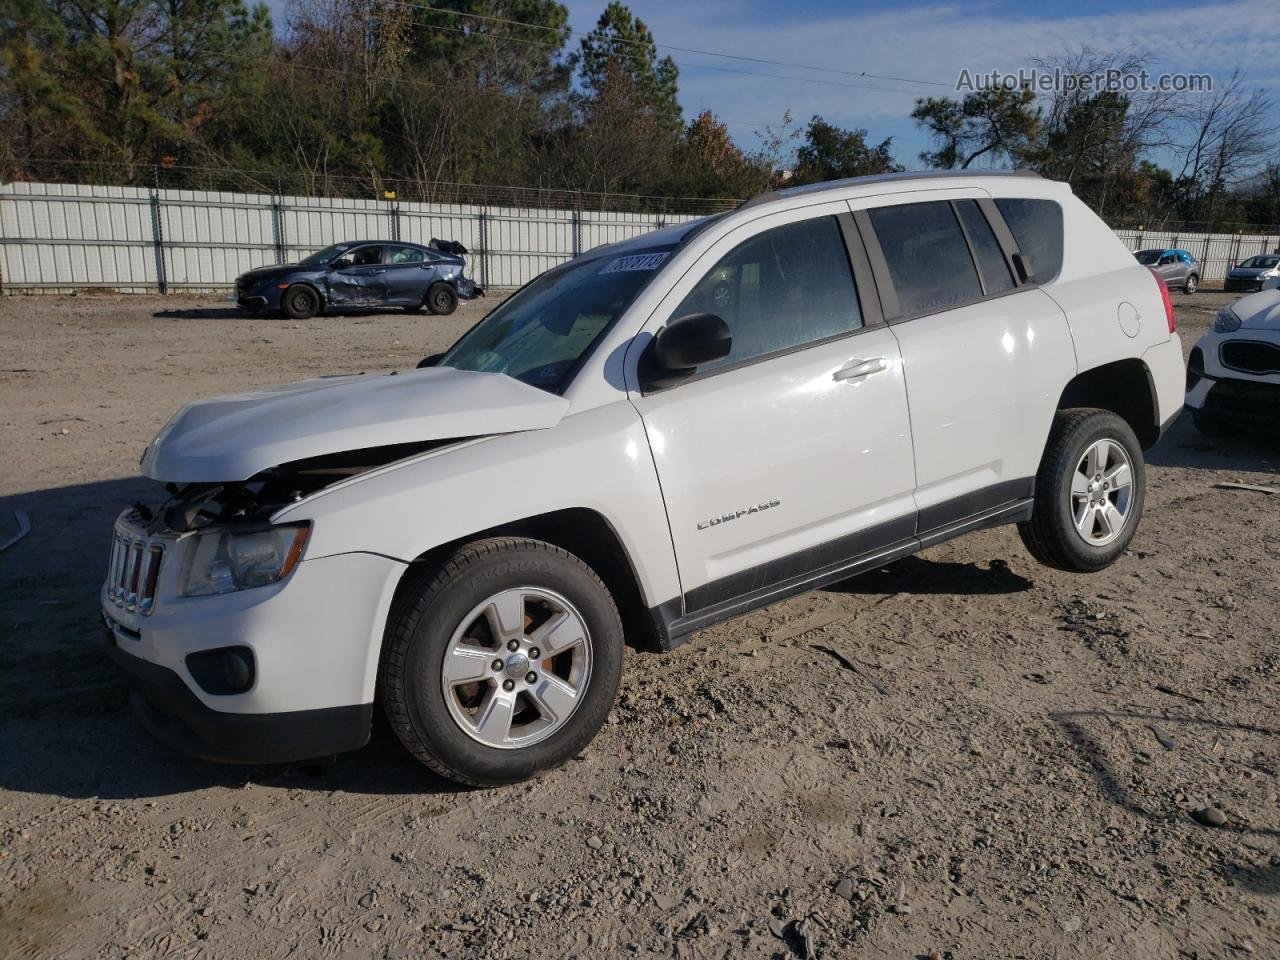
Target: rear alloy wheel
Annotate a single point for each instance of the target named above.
(300, 302)
(1192, 284)
(1088, 494)
(442, 299)
(502, 662)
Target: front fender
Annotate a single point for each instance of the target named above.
(597, 460)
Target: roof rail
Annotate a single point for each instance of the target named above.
(778, 194)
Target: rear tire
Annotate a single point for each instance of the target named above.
(1089, 492)
(472, 683)
(1192, 284)
(441, 299)
(300, 302)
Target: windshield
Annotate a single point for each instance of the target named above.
(324, 256)
(539, 334)
(1148, 258)
(1260, 263)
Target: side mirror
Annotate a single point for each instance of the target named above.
(681, 347)
(430, 361)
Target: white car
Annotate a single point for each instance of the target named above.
(620, 450)
(1233, 374)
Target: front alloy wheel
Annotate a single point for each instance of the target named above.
(500, 662)
(516, 668)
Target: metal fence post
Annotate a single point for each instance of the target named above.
(277, 226)
(577, 230)
(393, 212)
(157, 236)
(483, 217)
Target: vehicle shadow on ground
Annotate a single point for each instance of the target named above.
(1184, 446)
(234, 313)
(918, 575)
(65, 726)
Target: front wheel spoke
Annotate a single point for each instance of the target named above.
(467, 664)
(559, 634)
(505, 614)
(553, 697)
(1084, 520)
(1119, 477)
(1091, 464)
(493, 719)
(1112, 519)
(1080, 484)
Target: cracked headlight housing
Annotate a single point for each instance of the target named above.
(1227, 321)
(224, 559)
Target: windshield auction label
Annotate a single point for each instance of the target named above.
(637, 261)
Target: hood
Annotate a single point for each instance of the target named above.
(233, 438)
(1259, 311)
(267, 272)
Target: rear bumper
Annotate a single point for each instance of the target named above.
(168, 709)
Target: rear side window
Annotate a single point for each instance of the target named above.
(996, 278)
(781, 289)
(1036, 226)
(927, 256)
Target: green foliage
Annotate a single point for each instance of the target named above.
(832, 153)
(998, 125)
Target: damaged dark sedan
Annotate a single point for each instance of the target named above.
(362, 274)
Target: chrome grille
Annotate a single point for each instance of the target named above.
(134, 571)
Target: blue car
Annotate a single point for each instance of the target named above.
(362, 274)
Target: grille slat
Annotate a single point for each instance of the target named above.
(1250, 356)
(133, 570)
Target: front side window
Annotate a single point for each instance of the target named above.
(541, 332)
(366, 256)
(1036, 226)
(783, 288)
(927, 255)
(321, 257)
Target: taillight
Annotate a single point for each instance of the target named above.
(1168, 304)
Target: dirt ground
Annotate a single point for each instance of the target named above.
(1010, 771)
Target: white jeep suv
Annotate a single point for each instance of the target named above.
(653, 437)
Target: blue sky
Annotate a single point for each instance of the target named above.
(928, 41)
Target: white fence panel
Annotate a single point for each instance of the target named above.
(1217, 252)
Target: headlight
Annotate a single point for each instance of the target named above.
(224, 559)
(1226, 321)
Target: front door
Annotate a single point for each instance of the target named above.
(357, 278)
(792, 455)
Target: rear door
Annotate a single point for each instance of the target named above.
(985, 353)
(409, 271)
(792, 456)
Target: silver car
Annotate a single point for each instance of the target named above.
(1253, 274)
(1178, 268)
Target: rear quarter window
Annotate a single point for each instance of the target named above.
(1036, 226)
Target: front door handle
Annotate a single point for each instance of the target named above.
(857, 369)
(376, 271)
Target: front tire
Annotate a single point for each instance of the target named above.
(1192, 284)
(1089, 492)
(502, 662)
(300, 302)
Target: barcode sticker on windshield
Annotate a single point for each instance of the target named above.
(637, 261)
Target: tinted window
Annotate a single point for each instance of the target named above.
(1148, 258)
(405, 255)
(986, 248)
(927, 255)
(1037, 227)
(782, 288)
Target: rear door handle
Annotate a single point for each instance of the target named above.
(857, 369)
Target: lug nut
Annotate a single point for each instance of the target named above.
(513, 645)
(508, 685)
(530, 677)
(497, 666)
(533, 653)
